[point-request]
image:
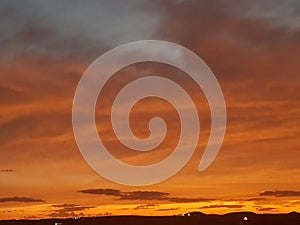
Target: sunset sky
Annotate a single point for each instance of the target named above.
(252, 47)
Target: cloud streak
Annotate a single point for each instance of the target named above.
(146, 206)
(68, 210)
(236, 206)
(168, 209)
(6, 171)
(142, 195)
(278, 193)
(20, 199)
(109, 192)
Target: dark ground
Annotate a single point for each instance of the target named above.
(195, 218)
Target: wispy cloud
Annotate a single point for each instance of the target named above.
(278, 193)
(255, 199)
(68, 210)
(145, 206)
(19, 199)
(109, 192)
(142, 195)
(182, 200)
(234, 206)
(265, 209)
(6, 171)
(168, 209)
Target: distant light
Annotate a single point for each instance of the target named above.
(188, 214)
(245, 218)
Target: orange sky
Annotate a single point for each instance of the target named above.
(253, 48)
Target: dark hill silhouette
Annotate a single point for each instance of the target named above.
(195, 218)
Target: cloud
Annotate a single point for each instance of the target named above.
(109, 192)
(15, 211)
(146, 206)
(225, 28)
(156, 195)
(238, 206)
(255, 199)
(168, 209)
(254, 57)
(46, 29)
(64, 214)
(19, 199)
(182, 200)
(264, 209)
(6, 171)
(133, 195)
(31, 217)
(64, 205)
(68, 210)
(72, 207)
(34, 32)
(278, 193)
(142, 195)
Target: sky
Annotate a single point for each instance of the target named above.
(252, 47)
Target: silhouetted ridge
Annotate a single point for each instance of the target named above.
(190, 218)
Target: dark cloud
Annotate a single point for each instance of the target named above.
(146, 206)
(62, 213)
(264, 209)
(71, 207)
(37, 37)
(255, 199)
(179, 200)
(33, 32)
(278, 193)
(15, 211)
(169, 209)
(109, 192)
(6, 170)
(44, 29)
(134, 195)
(68, 210)
(222, 206)
(260, 51)
(31, 217)
(9, 95)
(15, 129)
(64, 205)
(142, 195)
(19, 199)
